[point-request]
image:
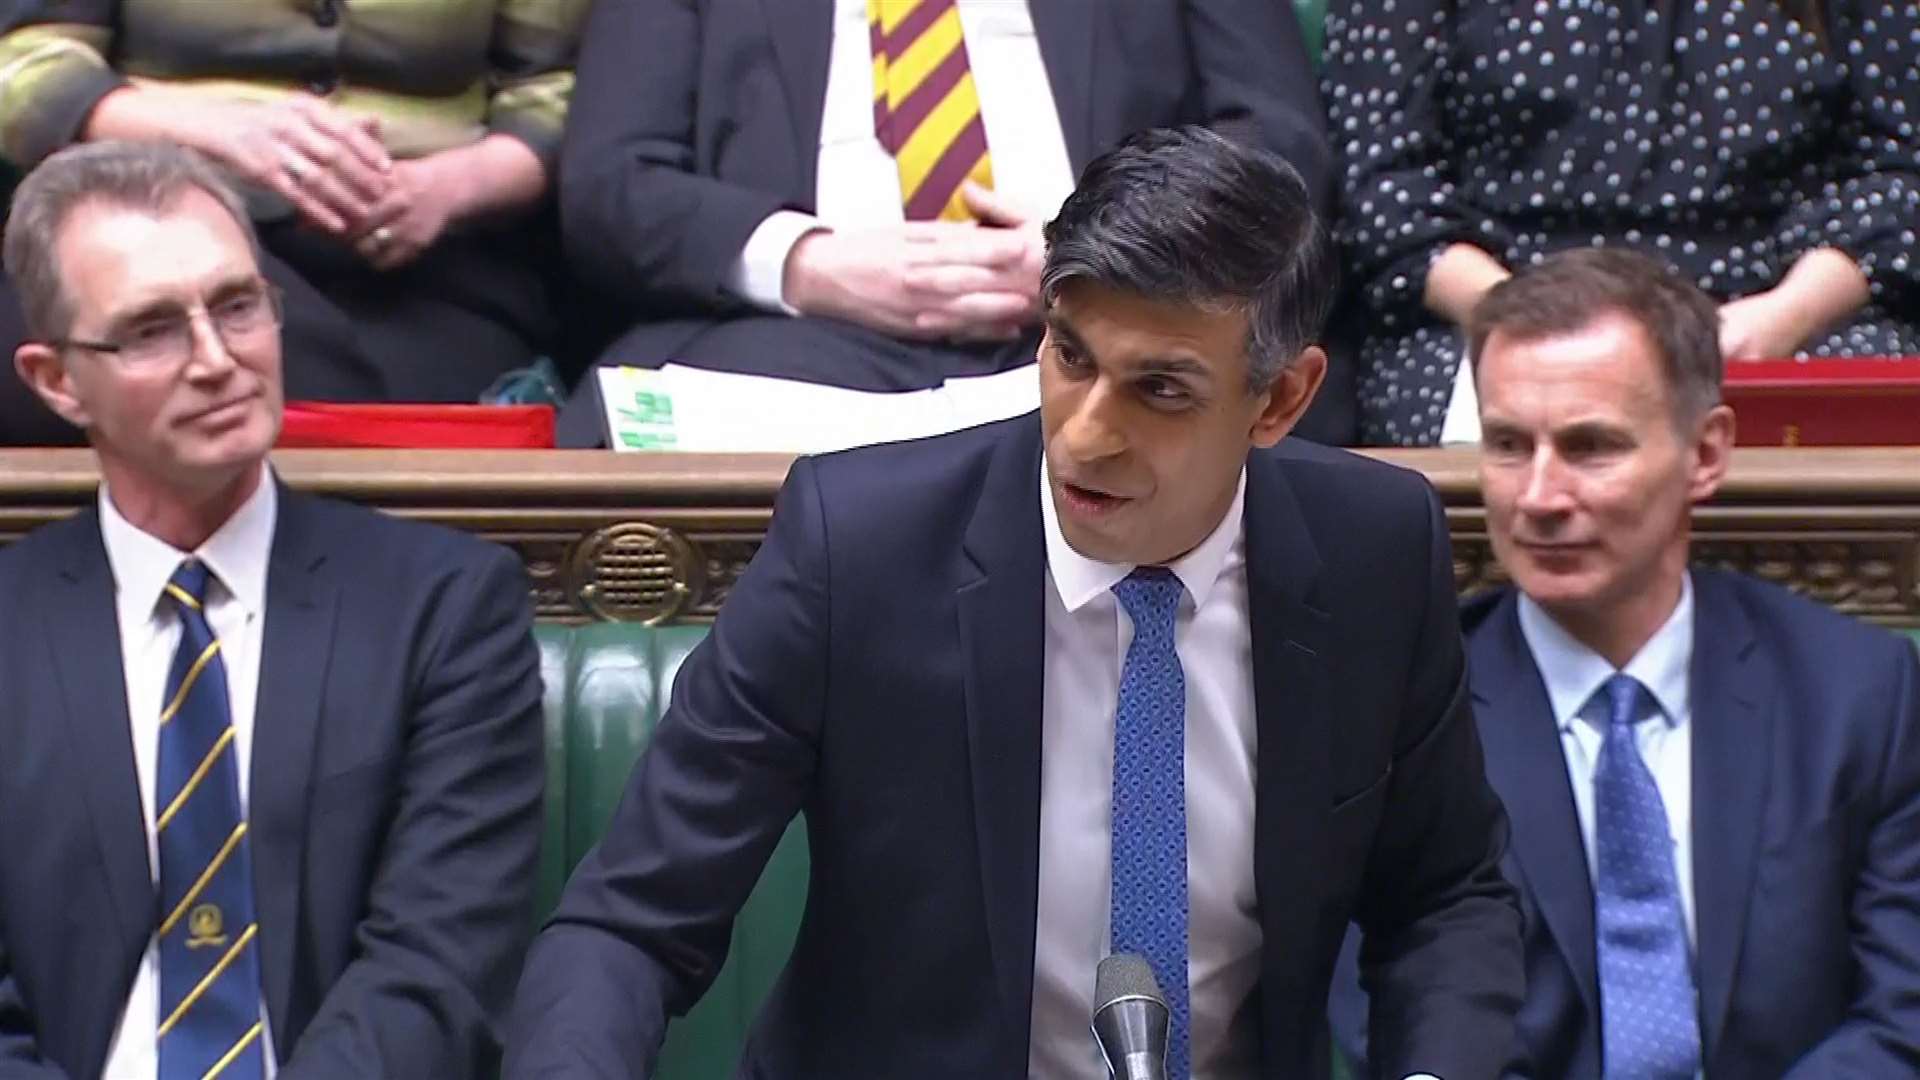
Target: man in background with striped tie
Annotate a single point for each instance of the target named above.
(271, 781)
(850, 191)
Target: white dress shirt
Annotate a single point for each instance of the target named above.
(857, 184)
(1087, 634)
(1573, 673)
(237, 555)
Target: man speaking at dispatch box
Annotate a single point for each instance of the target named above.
(1020, 677)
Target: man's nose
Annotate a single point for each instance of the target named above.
(1093, 430)
(1545, 490)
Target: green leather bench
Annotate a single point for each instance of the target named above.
(606, 689)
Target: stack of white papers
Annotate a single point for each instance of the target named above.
(690, 409)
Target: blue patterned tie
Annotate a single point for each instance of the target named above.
(1150, 798)
(1649, 1025)
(209, 960)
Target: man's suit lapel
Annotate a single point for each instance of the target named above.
(802, 33)
(83, 628)
(1068, 32)
(1528, 769)
(1003, 646)
(294, 654)
(1732, 744)
(1293, 709)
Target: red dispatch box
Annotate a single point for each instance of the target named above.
(418, 427)
(1822, 402)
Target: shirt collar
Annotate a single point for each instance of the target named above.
(1573, 673)
(237, 553)
(1079, 579)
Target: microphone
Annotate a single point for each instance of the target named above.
(1130, 1019)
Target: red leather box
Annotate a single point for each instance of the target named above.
(1821, 402)
(418, 427)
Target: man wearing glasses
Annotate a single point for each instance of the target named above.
(271, 777)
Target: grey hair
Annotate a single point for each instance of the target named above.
(147, 176)
(1186, 215)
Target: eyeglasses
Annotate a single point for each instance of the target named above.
(165, 339)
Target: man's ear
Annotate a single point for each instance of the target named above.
(1287, 399)
(1712, 450)
(41, 368)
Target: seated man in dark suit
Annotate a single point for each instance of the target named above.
(851, 191)
(1714, 784)
(272, 778)
(986, 665)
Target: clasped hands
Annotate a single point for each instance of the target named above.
(926, 280)
(332, 168)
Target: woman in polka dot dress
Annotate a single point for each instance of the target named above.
(1768, 150)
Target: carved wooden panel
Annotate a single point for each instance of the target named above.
(664, 538)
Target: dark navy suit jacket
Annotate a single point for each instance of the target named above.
(395, 799)
(879, 668)
(1806, 841)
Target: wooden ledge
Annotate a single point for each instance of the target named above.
(662, 537)
(454, 477)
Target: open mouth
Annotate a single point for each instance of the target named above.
(1086, 500)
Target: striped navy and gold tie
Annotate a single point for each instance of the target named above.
(209, 959)
(926, 109)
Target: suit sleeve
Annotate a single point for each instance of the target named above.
(1440, 958)
(19, 1057)
(531, 61)
(53, 71)
(1865, 197)
(644, 924)
(1257, 83)
(445, 925)
(637, 219)
(1385, 76)
(1881, 1035)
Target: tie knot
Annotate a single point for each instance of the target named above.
(1151, 595)
(1624, 695)
(188, 586)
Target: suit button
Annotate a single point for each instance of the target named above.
(325, 14)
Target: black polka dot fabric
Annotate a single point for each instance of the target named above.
(1724, 136)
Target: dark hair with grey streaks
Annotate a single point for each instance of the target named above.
(1187, 216)
(1569, 291)
(148, 176)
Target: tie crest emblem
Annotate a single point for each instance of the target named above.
(206, 928)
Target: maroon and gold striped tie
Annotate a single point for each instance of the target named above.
(926, 110)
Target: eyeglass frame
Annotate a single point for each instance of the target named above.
(274, 296)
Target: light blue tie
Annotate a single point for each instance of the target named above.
(1649, 1024)
(1150, 798)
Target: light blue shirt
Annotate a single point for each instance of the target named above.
(1573, 674)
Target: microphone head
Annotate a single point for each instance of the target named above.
(1131, 1020)
(1124, 975)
